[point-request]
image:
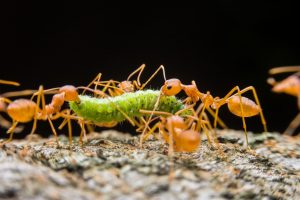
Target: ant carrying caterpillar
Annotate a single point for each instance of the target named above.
(238, 105)
(126, 105)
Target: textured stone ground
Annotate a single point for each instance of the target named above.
(111, 166)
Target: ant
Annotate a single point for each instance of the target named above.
(189, 120)
(116, 88)
(26, 110)
(71, 91)
(182, 134)
(289, 85)
(237, 104)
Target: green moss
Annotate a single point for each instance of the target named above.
(105, 110)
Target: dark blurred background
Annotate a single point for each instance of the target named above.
(218, 45)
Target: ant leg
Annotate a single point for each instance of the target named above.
(151, 131)
(199, 124)
(151, 77)
(64, 122)
(189, 107)
(142, 122)
(5, 100)
(53, 130)
(140, 70)
(18, 93)
(263, 120)
(39, 94)
(171, 149)
(154, 112)
(207, 126)
(150, 117)
(69, 128)
(96, 81)
(97, 78)
(82, 133)
(243, 116)
(293, 125)
(48, 117)
(66, 114)
(90, 128)
(132, 121)
(278, 70)
(223, 101)
(7, 124)
(111, 84)
(5, 82)
(219, 120)
(212, 113)
(11, 131)
(164, 134)
(204, 127)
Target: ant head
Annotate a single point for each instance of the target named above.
(187, 141)
(171, 87)
(271, 81)
(70, 92)
(177, 122)
(126, 86)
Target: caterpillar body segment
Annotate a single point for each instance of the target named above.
(108, 109)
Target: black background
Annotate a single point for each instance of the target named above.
(218, 45)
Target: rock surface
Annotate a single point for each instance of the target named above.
(112, 166)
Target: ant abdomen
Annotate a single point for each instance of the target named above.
(187, 141)
(250, 108)
(21, 110)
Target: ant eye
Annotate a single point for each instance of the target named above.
(169, 87)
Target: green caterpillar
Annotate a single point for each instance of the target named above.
(105, 110)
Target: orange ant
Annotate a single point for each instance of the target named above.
(25, 110)
(189, 121)
(176, 133)
(237, 104)
(182, 134)
(116, 88)
(289, 85)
